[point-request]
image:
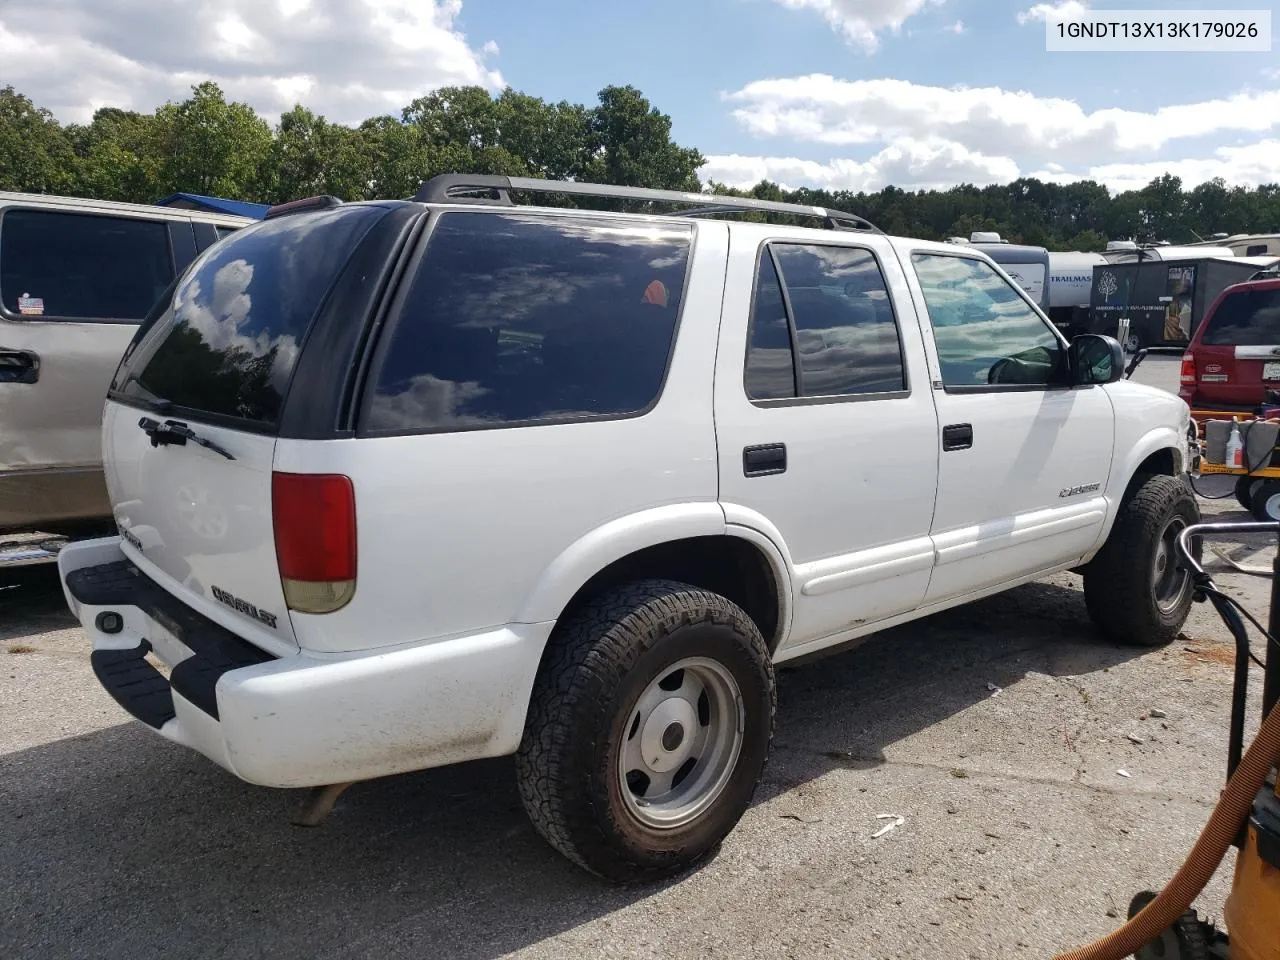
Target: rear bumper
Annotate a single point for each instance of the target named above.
(299, 720)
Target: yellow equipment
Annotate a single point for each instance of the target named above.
(1247, 815)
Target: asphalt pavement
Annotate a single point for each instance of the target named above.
(1038, 790)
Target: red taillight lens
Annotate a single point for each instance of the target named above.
(314, 516)
(1188, 369)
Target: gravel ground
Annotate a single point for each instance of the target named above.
(1020, 836)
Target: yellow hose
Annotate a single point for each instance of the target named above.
(1214, 842)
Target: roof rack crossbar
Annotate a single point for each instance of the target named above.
(456, 187)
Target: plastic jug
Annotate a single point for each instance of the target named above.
(1235, 448)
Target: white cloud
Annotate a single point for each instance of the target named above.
(1053, 12)
(990, 120)
(917, 164)
(861, 21)
(957, 28)
(1248, 165)
(939, 164)
(349, 59)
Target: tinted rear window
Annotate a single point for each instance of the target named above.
(1250, 318)
(79, 266)
(229, 339)
(521, 318)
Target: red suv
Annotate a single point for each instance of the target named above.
(1233, 361)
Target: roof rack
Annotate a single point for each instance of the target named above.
(492, 189)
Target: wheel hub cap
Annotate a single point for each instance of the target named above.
(681, 743)
(663, 741)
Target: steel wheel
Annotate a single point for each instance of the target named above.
(682, 743)
(1170, 583)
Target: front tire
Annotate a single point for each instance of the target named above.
(1135, 590)
(648, 730)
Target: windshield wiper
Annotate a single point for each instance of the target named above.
(176, 433)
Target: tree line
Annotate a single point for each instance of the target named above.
(208, 145)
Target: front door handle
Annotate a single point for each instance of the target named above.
(957, 436)
(19, 366)
(764, 460)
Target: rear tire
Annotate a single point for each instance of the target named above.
(648, 730)
(1264, 500)
(1134, 590)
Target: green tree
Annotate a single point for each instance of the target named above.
(213, 147)
(311, 156)
(35, 152)
(120, 155)
(630, 145)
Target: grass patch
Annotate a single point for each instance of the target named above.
(21, 648)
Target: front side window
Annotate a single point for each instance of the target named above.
(833, 333)
(79, 266)
(985, 332)
(519, 318)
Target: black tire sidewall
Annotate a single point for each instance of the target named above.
(1244, 492)
(1259, 497)
(647, 846)
(1120, 582)
(1173, 619)
(597, 664)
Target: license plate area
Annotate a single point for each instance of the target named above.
(1271, 370)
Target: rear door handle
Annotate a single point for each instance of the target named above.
(19, 366)
(764, 460)
(957, 436)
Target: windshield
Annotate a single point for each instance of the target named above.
(1250, 318)
(227, 340)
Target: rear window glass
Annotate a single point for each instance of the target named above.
(520, 318)
(77, 266)
(229, 339)
(1250, 318)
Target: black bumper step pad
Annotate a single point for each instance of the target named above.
(133, 682)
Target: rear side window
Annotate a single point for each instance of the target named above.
(229, 339)
(1249, 318)
(517, 318)
(77, 266)
(833, 333)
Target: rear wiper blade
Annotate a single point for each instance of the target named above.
(175, 433)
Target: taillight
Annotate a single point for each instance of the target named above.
(1188, 369)
(314, 516)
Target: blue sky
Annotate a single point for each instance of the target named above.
(841, 93)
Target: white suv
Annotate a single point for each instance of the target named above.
(402, 484)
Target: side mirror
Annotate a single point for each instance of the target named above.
(1094, 359)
